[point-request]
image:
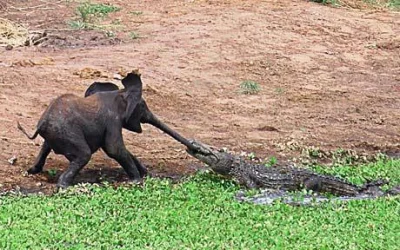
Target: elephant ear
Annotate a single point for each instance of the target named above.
(133, 123)
(100, 87)
(133, 96)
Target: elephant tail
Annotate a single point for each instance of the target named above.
(25, 133)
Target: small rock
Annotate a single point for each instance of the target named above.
(39, 184)
(9, 47)
(12, 160)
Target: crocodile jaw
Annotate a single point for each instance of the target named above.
(219, 161)
(204, 153)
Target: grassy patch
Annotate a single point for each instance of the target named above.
(394, 4)
(249, 87)
(133, 35)
(52, 172)
(385, 169)
(200, 213)
(360, 4)
(271, 161)
(89, 14)
(89, 11)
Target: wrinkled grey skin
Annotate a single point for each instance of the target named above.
(141, 114)
(76, 127)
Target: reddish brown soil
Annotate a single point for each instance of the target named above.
(329, 78)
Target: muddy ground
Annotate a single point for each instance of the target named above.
(329, 78)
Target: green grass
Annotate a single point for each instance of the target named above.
(271, 161)
(199, 213)
(134, 35)
(384, 169)
(87, 10)
(88, 14)
(52, 172)
(391, 4)
(249, 87)
(394, 4)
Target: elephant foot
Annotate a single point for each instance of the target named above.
(136, 181)
(34, 170)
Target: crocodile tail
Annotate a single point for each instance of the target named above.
(394, 191)
(373, 187)
(376, 183)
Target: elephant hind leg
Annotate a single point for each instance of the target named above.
(78, 155)
(40, 159)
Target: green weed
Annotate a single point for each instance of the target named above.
(385, 169)
(90, 13)
(391, 4)
(394, 4)
(271, 161)
(249, 87)
(52, 172)
(133, 35)
(251, 155)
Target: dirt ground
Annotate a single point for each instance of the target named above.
(329, 78)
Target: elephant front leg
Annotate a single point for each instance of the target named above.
(115, 148)
(123, 157)
(40, 159)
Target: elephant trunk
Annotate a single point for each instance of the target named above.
(151, 119)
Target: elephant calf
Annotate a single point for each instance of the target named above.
(76, 127)
(141, 114)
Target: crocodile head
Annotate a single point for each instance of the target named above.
(218, 160)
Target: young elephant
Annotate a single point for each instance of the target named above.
(141, 114)
(77, 127)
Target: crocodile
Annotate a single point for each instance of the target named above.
(283, 177)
